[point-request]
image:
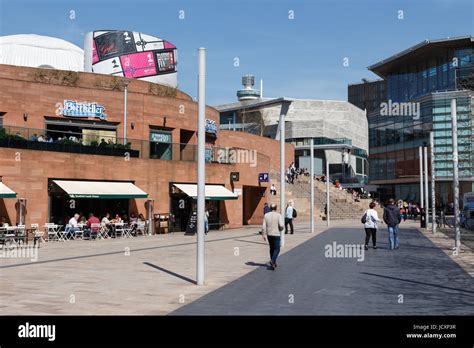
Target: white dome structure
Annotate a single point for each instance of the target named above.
(39, 51)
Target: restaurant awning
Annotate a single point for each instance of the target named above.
(100, 189)
(212, 192)
(6, 192)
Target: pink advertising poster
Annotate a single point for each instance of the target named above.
(138, 64)
(169, 45)
(95, 56)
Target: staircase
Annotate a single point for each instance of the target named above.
(342, 205)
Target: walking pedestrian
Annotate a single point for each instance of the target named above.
(392, 217)
(271, 232)
(289, 215)
(273, 190)
(371, 218)
(266, 208)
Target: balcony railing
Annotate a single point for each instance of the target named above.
(96, 144)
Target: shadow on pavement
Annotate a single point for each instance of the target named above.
(418, 282)
(170, 272)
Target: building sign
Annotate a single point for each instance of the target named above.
(211, 127)
(468, 199)
(72, 108)
(209, 154)
(160, 137)
(263, 177)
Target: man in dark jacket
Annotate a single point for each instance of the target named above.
(392, 217)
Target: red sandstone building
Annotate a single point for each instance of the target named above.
(61, 137)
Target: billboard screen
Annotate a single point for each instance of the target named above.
(131, 54)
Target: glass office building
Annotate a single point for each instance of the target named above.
(420, 84)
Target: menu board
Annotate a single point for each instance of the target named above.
(132, 55)
(191, 228)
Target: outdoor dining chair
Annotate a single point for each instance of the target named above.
(21, 236)
(103, 232)
(119, 230)
(94, 230)
(38, 236)
(52, 231)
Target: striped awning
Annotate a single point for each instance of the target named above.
(6, 192)
(212, 192)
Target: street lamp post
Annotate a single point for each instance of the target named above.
(282, 168)
(420, 151)
(311, 182)
(426, 184)
(454, 124)
(433, 178)
(201, 168)
(125, 95)
(327, 190)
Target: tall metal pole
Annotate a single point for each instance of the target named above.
(125, 114)
(311, 182)
(420, 151)
(454, 123)
(327, 191)
(433, 179)
(427, 202)
(201, 174)
(282, 169)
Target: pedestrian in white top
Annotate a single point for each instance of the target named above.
(271, 230)
(370, 225)
(289, 215)
(72, 227)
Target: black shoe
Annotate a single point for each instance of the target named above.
(375, 247)
(286, 232)
(366, 247)
(292, 232)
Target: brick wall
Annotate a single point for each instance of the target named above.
(27, 171)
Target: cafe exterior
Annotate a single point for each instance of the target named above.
(68, 145)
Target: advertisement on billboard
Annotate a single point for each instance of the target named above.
(131, 54)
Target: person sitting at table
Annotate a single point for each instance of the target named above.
(3, 222)
(82, 219)
(125, 219)
(73, 227)
(117, 219)
(133, 219)
(92, 220)
(105, 220)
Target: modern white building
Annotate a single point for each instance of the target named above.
(332, 124)
(40, 51)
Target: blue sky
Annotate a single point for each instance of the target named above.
(300, 57)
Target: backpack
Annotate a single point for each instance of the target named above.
(295, 214)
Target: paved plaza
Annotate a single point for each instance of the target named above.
(143, 275)
(155, 275)
(417, 279)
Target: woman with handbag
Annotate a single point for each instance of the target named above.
(370, 220)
